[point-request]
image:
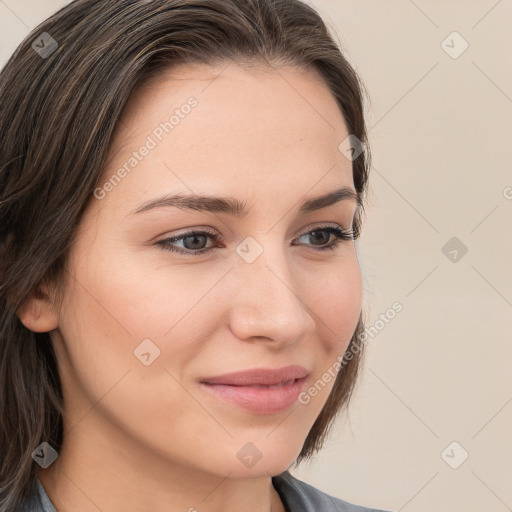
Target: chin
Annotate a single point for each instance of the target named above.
(260, 458)
(259, 470)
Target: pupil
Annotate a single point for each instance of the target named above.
(194, 238)
(323, 234)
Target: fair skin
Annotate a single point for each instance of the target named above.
(140, 437)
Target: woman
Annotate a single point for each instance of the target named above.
(182, 186)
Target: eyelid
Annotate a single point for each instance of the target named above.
(342, 234)
(214, 233)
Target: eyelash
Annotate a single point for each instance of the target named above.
(340, 234)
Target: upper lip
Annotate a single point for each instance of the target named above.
(259, 376)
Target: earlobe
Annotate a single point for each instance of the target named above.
(37, 312)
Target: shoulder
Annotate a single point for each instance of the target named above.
(37, 500)
(299, 496)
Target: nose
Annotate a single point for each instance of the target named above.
(269, 301)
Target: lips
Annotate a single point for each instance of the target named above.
(259, 391)
(262, 377)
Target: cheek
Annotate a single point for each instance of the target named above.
(115, 304)
(152, 294)
(335, 301)
(109, 310)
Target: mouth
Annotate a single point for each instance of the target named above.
(274, 386)
(259, 391)
(259, 376)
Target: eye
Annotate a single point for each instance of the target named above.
(339, 233)
(194, 241)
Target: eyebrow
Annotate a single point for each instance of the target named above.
(232, 206)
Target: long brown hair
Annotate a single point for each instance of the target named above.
(62, 93)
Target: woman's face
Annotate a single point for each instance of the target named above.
(141, 326)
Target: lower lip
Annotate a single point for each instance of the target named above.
(258, 400)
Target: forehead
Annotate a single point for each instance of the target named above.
(250, 127)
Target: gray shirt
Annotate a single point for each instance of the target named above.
(297, 496)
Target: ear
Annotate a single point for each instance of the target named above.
(37, 311)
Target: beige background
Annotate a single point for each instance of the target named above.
(439, 372)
